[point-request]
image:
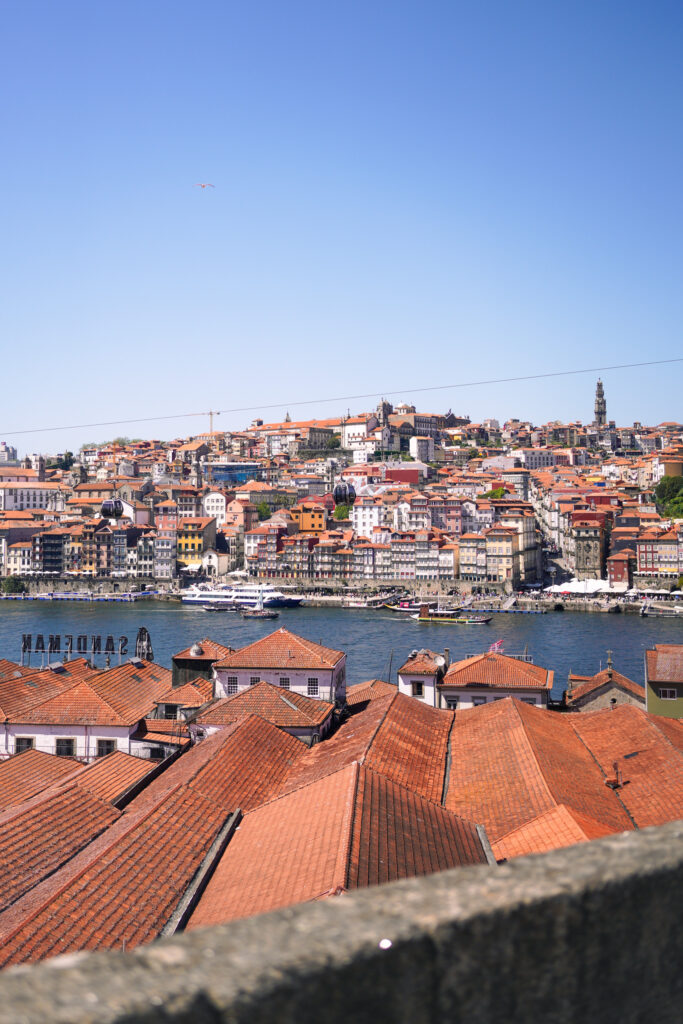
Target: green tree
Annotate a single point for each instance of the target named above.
(342, 512)
(13, 585)
(333, 442)
(498, 492)
(263, 509)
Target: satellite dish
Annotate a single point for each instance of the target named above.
(440, 661)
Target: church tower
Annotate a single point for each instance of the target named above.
(600, 406)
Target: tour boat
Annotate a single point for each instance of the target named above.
(409, 604)
(449, 616)
(244, 595)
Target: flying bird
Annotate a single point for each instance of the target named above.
(203, 184)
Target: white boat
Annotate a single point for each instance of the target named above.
(244, 595)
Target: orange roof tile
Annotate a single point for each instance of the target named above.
(557, 827)
(498, 671)
(361, 693)
(282, 649)
(650, 766)
(41, 834)
(348, 830)
(111, 777)
(396, 735)
(511, 762)
(124, 886)
(608, 677)
(24, 775)
(283, 708)
(209, 650)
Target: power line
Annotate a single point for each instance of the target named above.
(346, 398)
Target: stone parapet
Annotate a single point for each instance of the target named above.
(587, 934)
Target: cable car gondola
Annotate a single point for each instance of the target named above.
(112, 509)
(344, 493)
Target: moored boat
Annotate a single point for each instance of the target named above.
(246, 595)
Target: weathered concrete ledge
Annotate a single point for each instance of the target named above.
(588, 934)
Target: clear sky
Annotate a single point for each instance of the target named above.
(407, 193)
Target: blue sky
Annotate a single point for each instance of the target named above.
(407, 194)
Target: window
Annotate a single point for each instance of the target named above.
(452, 703)
(529, 700)
(668, 694)
(418, 689)
(105, 747)
(64, 748)
(253, 680)
(284, 682)
(231, 684)
(476, 701)
(24, 743)
(312, 688)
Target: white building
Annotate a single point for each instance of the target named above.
(419, 676)
(286, 660)
(492, 676)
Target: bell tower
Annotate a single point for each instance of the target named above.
(600, 406)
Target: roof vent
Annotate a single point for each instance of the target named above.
(57, 666)
(413, 654)
(196, 650)
(137, 662)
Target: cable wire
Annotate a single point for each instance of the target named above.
(345, 398)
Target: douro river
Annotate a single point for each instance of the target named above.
(372, 640)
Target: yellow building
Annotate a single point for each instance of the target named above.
(310, 517)
(195, 536)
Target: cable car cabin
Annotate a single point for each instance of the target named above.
(112, 509)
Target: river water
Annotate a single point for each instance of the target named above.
(562, 641)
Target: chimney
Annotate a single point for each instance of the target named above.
(447, 655)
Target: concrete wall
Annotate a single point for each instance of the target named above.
(588, 934)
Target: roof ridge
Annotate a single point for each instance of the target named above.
(516, 704)
(392, 698)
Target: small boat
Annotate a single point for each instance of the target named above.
(218, 608)
(259, 612)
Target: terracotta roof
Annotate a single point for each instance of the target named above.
(112, 776)
(24, 775)
(18, 695)
(124, 886)
(498, 671)
(664, 664)
(423, 664)
(560, 826)
(10, 669)
(361, 693)
(131, 689)
(282, 649)
(41, 834)
(283, 708)
(348, 830)
(395, 735)
(210, 650)
(649, 764)
(190, 695)
(511, 762)
(608, 677)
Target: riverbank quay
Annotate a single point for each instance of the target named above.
(348, 597)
